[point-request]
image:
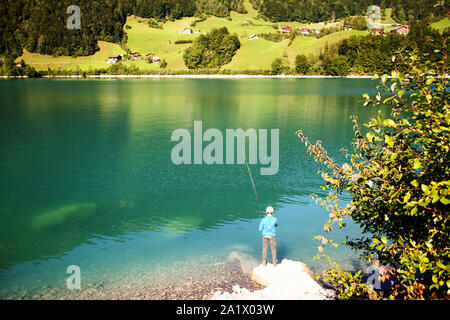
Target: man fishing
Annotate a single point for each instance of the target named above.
(268, 226)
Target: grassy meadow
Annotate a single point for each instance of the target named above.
(441, 25)
(253, 55)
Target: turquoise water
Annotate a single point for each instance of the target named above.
(87, 177)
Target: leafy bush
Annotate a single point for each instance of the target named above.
(275, 37)
(398, 175)
(302, 64)
(183, 41)
(152, 23)
(280, 66)
(336, 67)
(211, 50)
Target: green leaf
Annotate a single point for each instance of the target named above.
(379, 116)
(429, 81)
(370, 136)
(388, 99)
(417, 164)
(444, 201)
(407, 197)
(425, 188)
(415, 183)
(389, 122)
(434, 278)
(389, 140)
(384, 240)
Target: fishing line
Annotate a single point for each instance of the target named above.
(206, 200)
(253, 184)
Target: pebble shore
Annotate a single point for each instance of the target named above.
(191, 280)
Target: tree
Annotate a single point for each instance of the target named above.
(212, 50)
(401, 16)
(302, 64)
(279, 66)
(336, 66)
(399, 177)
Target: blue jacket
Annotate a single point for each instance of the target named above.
(268, 226)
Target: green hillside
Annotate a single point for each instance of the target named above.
(253, 54)
(441, 25)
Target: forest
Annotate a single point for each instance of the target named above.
(372, 54)
(41, 26)
(325, 10)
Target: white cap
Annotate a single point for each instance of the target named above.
(269, 209)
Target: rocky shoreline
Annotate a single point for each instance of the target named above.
(238, 276)
(192, 280)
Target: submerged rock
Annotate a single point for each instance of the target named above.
(62, 214)
(246, 261)
(290, 280)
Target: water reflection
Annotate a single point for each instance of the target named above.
(82, 160)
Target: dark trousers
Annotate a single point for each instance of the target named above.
(273, 248)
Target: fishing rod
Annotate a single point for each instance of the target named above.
(253, 184)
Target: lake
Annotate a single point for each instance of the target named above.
(87, 177)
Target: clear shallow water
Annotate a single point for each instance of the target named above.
(87, 177)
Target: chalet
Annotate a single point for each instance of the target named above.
(401, 29)
(378, 32)
(286, 29)
(114, 58)
(316, 31)
(151, 58)
(348, 28)
(304, 31)
(253, 37)
(197, 31)
(136, 56)
(187, 31)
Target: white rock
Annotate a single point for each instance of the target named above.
(236, 288)
(290, 280)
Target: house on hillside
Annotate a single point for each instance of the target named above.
(404, 29)
(316, 31)
(378, 32)
(197, 31)
(304, 31)
(187, 31)
(151, 58)
(136, 56)
(348, 28)
(286, 29)
(253, 37)
(114, 58)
